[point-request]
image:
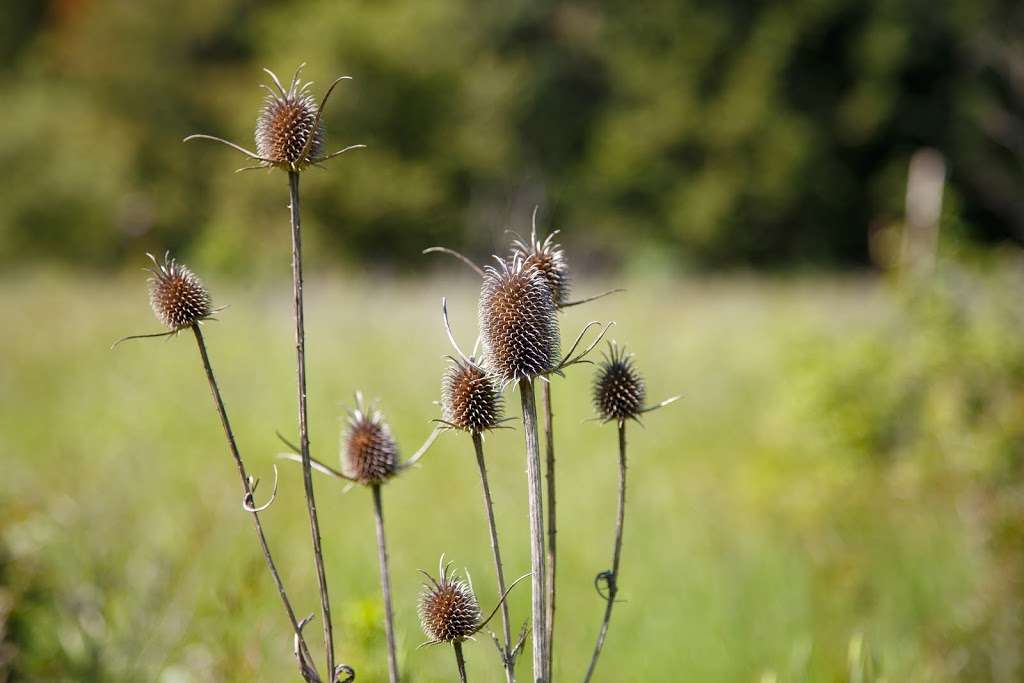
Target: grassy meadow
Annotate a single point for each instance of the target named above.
(832, 499)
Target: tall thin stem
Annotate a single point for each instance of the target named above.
(307, 470)
(613, 576)
(507, 659)
(385, 584)
(247, 488)
(549, 447)
(526, 392)
(460, 661)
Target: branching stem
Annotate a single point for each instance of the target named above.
(307, 470)
(508, 660)
(247, 488)
(536, 505)
(385, 584)
(612, 577)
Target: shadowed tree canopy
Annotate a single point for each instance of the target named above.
(743, 133)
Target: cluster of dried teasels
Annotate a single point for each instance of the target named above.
(519, 344)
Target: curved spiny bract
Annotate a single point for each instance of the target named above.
(178, 297)
(447, 608)
(518, 321)
(619, 390)
(369, 454)
(548, 257)
(470, 399)
(288, 132)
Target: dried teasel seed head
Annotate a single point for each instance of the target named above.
(548, 257)
(619, 390)
(178, 297)
(470, 399)
(288, 133)
(518, 321)
(369, 454)
(447, 607)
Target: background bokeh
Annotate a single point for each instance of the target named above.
(839, 496)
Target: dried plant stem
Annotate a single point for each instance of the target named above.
(307, 470)
(385, 584)
(613, 576)
(460, 661)
(536, 505)
(549, 447)
(247, 488)
(507, 658)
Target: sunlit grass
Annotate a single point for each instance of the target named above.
(745, 553)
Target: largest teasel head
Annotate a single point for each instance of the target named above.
(548, 258)
(518, 321)
(289, 130)
(448, 608)
(369, 453)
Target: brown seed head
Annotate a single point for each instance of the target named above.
(177, 296)
(619, 390)
(470, 400)
(369, 454)
(549, 258)
(287, 123)
(447, 607)
(518, 321)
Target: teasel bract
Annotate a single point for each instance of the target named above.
(289, 136)
(619, 394)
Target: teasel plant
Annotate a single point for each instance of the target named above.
(180, 301)
(548, 258)
(449, 611)
(290, 137)
(471, 402)
(619, 394)
(520, 340)
(370, 457)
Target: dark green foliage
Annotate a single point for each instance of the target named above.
(724, 132)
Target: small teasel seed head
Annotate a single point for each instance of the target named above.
(470, 399)
(619, 390)
(287, 122)
(178, 297)
(447, 607)
(369, 454)
(518, 321)
(548, 257)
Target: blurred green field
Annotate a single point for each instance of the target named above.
(843, 472)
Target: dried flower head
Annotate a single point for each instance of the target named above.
(619, 390)
(518, 321)
(549, 258)
(288, 132)
(470, 399)
(369, 454)
(447, 607)
(178, 297)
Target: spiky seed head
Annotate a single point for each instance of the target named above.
(447, 607)
(470, 399)
(287, 122)
(549, 258)
(178, 297)
(369, 454)
(619, 390)
(518, 321)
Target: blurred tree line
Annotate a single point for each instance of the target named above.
(696, 132)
